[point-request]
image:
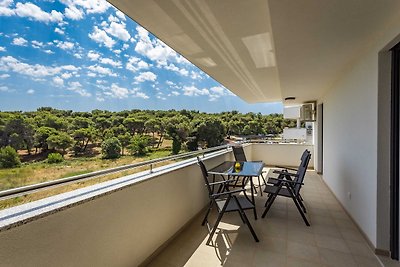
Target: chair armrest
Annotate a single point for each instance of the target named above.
(286, 173)
(287, 181)
(227, 193)
(286, 168)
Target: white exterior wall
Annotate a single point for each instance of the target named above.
(350, 147)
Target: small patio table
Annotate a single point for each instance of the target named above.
(248, 169)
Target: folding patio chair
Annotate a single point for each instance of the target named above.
(288, 185)
(240, 156)
(287, 169)
(225, 201)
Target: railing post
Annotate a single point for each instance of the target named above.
(151, 167)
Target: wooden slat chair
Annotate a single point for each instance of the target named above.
(288, 185)
(225, 201)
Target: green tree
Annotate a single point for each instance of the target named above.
(211, 131)
(125, 140)
(111, 148)
(139, 145)
(82, 138)
(60, 141)
(41, 136)
(9, 158)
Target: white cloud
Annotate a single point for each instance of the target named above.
(120, 15)
(154, 50)
(66, 75)
(125, 46)
(134, 64)
(92, 55)
(90, 6)
(119, 31)
(4, 89)
(48, 51)
(194, 91)
(77, 87)
(118, 92)
(59, 31)
(196, 75)
(64, 45)
(10, 63)
(111, 62)
(58, 81)
(2, 49)
(20, 41)
(74, 13)
(30, 92)
(146, 76)
(181, 71)
(175, 93)
(37, 44)
(141, 95)
(101, 37)
(34, 12)
(4, 8)
(4, 76)
(77, 55)
(117, 51)
(101, 70)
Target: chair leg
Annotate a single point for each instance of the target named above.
(299, 208)
(268, 205)
(243, 215)
(259, 185)
(221, 213)
(208, 212)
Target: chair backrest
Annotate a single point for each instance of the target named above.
(204, 172)
(238, 152)
(301, 171)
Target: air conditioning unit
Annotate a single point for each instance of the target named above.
(307, 112)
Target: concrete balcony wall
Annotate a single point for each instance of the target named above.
(120, 228)
(280, 154)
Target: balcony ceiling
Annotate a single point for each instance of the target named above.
(264, 51)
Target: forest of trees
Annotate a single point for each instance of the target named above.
(66, 131)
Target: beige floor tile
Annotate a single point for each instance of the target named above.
(296, 262)
(269, 259)
(278, 245)
(360, 249)
(330, 230)
(303, 251)
(301, 237)
(367, 261)
(334, 258)
(338, 244)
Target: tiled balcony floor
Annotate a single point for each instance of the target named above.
(331, 240)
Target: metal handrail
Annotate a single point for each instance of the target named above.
(23, 190)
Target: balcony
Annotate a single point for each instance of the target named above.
(154, 219)
(332, 239)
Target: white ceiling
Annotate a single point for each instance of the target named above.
(264, 51)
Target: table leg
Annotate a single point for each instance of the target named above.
(252, 197)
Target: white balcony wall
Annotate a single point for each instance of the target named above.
(281, 154)
(351, 138)
(122, 228)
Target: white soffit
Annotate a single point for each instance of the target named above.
(267, 50)
(228, 39)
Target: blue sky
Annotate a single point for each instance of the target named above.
(85, 54)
